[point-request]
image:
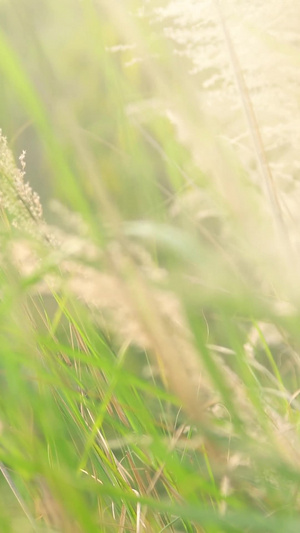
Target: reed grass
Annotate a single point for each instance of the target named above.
(149, 296)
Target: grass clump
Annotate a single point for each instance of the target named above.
(149, 313)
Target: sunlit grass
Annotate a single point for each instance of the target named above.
(149, 318)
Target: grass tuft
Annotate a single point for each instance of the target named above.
(149, 280)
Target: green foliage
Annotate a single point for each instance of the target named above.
(149, 317)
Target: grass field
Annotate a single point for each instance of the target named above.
(149, 263)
